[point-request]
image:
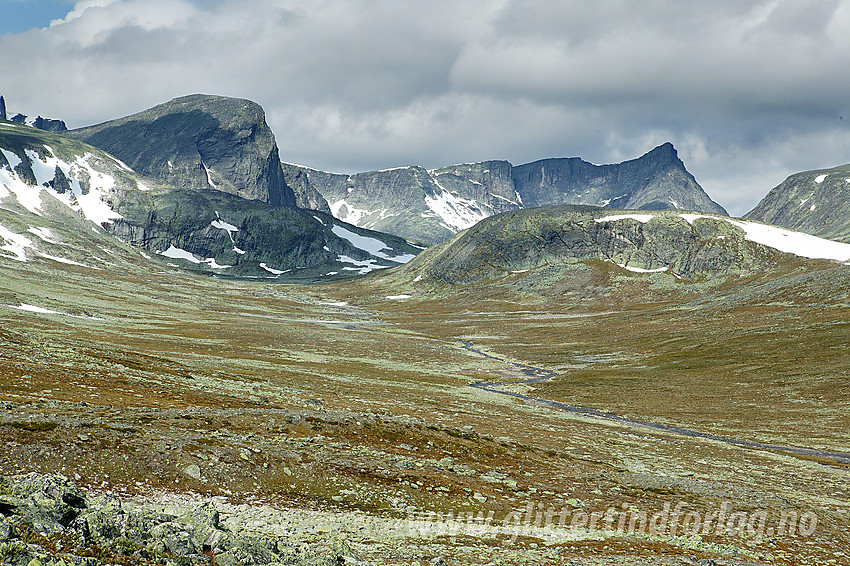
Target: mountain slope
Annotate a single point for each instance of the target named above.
(549, 242)
(815, 202)
(199, 142)
(46, 177)
(432, 205)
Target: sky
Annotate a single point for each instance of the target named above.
(749, 91)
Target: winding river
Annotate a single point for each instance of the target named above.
(537, 375)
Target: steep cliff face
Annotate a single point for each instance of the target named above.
(306, 195)
(199, 142)
(815, 202)
(431, 206)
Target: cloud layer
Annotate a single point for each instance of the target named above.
(749, 91)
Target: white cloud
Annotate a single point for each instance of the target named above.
(748, 90)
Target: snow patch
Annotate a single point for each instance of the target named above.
(606, 202)
(272, 270)
(397, 297)
(66, 261)
(334, 304)
(209, 177)
(642, 218)
(90, 204)
(819, 179)
(44, 233)
(177, 253)
(363, 267)
(372, 246)
(39, 310)
(14, 243)
(787, 241)
(222, 225)
(457, 213)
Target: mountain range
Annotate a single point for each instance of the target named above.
(163, 401)
(44, 174)
(432, 205)
(199, 181)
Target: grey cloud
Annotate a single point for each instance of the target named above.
(748, 90)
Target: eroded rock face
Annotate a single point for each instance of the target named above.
(51, 508)
(199, 142)
(815, 202)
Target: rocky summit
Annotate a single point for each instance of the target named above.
(199, 142)
(816, 202)
(432, 205)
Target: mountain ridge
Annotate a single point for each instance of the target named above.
(43, 174)
(431, 205)
(816, 202)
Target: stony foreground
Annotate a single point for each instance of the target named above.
(47, 519)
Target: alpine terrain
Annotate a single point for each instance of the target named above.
(563, 384)
(44, 175)
(431, 205)
(816, 202)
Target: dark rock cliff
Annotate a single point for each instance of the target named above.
(199, 142)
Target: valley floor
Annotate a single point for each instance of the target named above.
(336, 413)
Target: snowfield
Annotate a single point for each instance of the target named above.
(91, 204)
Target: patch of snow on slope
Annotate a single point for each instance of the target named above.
(177, 253)
(66, 261)
(787, 241)
(28, 197)
(222, 225)
(39, 310)
(457, 213)
(363, 267)
(90, 204)
(819, 179)
(272, 270)
(505, 199)
(607, 201)
(14, 244)
(44, 233)
(397, 297)
(372, 246)
(348, 213)
(209, 177)
(642, 218)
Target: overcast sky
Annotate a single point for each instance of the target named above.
(749, 91)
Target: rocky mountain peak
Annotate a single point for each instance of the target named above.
(199, 142)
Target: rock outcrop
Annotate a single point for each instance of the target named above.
(199, 142)
(47, 519)
(432, 205)
(555, 239)
(815, 202)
